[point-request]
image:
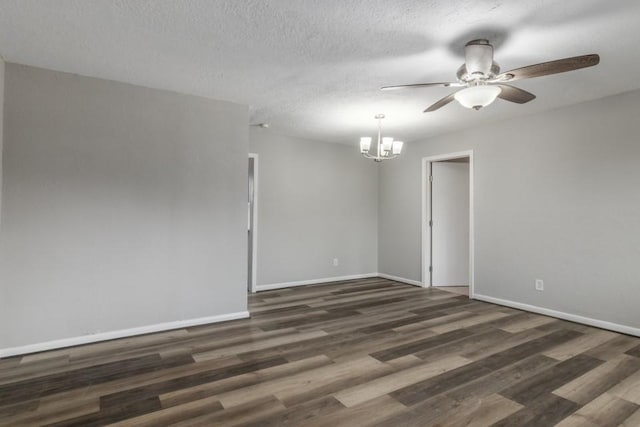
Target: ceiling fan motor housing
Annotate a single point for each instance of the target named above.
(479, 63)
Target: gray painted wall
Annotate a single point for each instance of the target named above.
(122, 207)
(2, 66)
(2, 73)
(557, 197)
(316, 201)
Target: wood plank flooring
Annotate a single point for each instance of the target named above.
(358, 353)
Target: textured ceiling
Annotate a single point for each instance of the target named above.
(312, 68)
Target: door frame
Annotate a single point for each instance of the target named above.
(254, 234)
(426, 215)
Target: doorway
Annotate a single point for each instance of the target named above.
(447, 232)
(252, 222)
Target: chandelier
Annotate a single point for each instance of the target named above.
(387, 148)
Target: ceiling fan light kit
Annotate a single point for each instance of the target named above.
(386, 148)
(479, 96)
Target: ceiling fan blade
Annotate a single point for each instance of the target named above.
(515, 94)
(551, 67)
(417, 85)
(444, 101)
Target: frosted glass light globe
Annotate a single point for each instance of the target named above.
(477, 97)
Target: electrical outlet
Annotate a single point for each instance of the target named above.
(335, 262)
(539, 285)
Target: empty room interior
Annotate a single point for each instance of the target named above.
(319, 213)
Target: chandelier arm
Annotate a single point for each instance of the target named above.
(372, 157)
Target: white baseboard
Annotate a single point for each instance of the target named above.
(401, 279)
(562, 315)
(314, 281)
(104, 336)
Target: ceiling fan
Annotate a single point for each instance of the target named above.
(483, 82)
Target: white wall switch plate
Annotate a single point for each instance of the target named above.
(539, 285)
(335, 262)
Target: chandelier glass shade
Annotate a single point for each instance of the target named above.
(386, 148)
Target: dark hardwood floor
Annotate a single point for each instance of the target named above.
(360, 353)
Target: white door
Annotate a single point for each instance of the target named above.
(450, 227)
(250, 225)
